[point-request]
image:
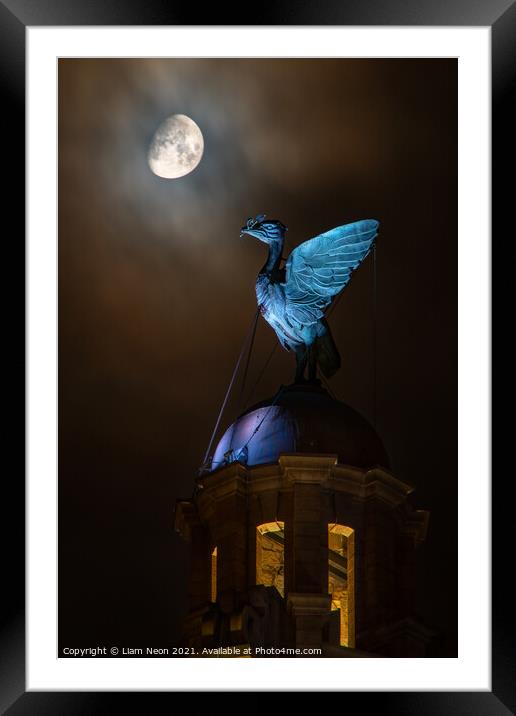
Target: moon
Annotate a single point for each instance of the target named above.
(176, 148)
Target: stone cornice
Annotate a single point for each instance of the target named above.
(305, 467)
(306, 603)
(362, 484)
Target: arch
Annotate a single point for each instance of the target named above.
(341, 578)
(270, 555)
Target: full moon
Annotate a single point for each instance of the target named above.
(176, 148)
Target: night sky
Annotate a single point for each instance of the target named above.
(156, 293)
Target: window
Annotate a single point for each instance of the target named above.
(270, 544)
(214, 575)
(341, 582)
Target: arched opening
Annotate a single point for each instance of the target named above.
(214, 575)
(270, 555)
(341, 579)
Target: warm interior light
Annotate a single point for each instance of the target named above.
(341, 573)
(214, 575)
(270, 555)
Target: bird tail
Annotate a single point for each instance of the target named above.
(328, 356)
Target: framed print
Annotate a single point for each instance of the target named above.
(225, 460)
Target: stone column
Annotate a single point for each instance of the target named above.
(231, 533)
(309, 541)
(200, 567)
(308, 600)
(309, 614)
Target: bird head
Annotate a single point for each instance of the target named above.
(267, 231)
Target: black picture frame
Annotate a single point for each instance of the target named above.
(15, 16)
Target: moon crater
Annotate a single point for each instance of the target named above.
(176, 148)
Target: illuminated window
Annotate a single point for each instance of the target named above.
(214, 575)
(341, 582)
(270, 548)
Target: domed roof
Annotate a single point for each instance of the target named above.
(300, 418)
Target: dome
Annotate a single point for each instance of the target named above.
(300, 418)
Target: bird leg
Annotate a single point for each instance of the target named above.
(301, 358)
(312, 362)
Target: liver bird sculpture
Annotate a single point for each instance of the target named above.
(293, 298)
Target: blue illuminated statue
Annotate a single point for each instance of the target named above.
(293, 298)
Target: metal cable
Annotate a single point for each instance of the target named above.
(228, 392)
(249, 352)
(276, 397)
(260, 376)
(328, 387)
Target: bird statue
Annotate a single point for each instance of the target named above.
(293, 298)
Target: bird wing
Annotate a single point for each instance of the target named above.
(320, 268)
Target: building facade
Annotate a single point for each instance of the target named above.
(301, 536)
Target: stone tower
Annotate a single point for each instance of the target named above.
(301, 537)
